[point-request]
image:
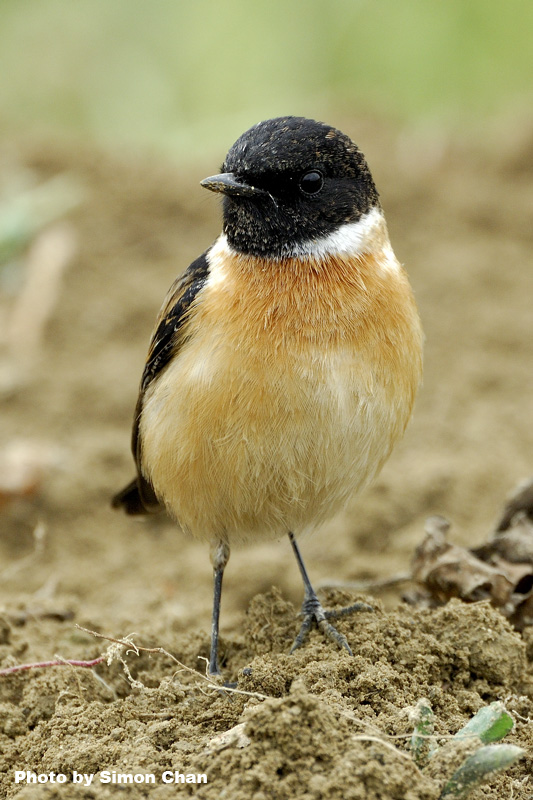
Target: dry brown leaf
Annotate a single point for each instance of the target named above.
(500, 570)
(520, 501)
(448, 570)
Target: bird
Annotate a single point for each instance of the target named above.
(285, 360)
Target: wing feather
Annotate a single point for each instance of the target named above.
(139, 497)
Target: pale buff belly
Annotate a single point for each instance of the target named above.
(239, 447)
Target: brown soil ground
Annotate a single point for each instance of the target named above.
(317, 722)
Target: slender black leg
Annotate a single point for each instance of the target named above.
(219, 558)
(313, 611)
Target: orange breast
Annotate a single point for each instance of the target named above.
(288, 396)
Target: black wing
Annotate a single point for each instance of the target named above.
(138, 497)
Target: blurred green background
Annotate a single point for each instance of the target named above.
(187, 76)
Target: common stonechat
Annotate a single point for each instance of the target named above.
(285, 360)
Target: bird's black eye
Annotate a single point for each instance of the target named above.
(311, 182)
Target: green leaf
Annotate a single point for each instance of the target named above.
(476, 767)
(422, 717)
(490, 724)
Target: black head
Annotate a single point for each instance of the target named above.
(288, 181)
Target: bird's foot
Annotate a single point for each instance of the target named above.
(313, 611)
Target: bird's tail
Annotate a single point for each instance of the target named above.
(132, 501)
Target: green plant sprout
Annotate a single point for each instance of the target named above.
(491, 758)
(490, 724)
(422, 742)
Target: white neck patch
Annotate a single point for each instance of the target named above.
(367, 235)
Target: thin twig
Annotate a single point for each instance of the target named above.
(371, 585)
(365, 738)
(67, 662)
(161, 651)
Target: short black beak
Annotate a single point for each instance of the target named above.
(228, 183)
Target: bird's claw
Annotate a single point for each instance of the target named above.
(314, 612)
